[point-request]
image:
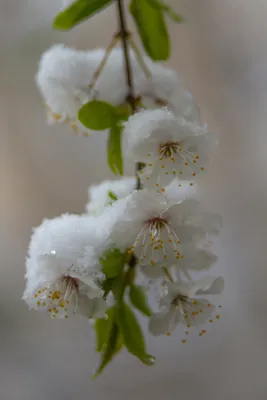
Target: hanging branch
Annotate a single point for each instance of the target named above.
(145, 235)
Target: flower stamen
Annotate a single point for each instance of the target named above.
(154, 238)
(57, 297)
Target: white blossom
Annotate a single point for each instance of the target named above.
(101, 195)
(65, 74)
(179, 305)
(152, 228)
(168, 145)
(58, 281)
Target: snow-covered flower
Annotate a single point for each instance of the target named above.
(168, 145)
(58, 280)
(103, 194)
(65, 74)
(154, 229)
(179, 305)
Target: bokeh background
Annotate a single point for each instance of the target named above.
(221, 54)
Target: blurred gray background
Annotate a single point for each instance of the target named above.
(221, 53)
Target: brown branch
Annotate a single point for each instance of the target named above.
(128, 70)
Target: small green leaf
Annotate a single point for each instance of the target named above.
(130, 276)
(97, 115)
(138, 299)
(112, 262)
(114, 152)
(102, 326)
(167, 9)
(77, 12)
(112, 196)
(101, 330)
(107, 286)
(132, 333)
(113, 343)
(152, 29)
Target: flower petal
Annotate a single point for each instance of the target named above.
(179, 190)
(91, 308)
(163, 322)
(209, 285)
(185, 209)
(153, 271)
(98, 308)
(196, 258)
(180, 288)
(93, 290)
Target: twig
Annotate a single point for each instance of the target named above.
(128, 71)
(139, 58)
(104, 60)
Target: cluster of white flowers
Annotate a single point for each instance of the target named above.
(164, 225)
(64, 78)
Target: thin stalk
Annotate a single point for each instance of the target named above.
(167, 273)
(139, 58)
(128, 70)
(103, 62)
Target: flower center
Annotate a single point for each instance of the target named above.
(155, 224)
(180, 298)
(57, 296)
(155, 241)
(188, 307)
(173, 158)
(169, 149)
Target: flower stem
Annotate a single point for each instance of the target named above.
(139, 58)
(104, 61)
(167, 273)
(128, 70)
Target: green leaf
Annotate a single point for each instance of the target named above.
(101, 330)
(167, 9)
(138, 299)
(107, 286)
(152, 29)
(132, 333)
(114, 342)
(102, 326)
(112, 262)
(112, 196)
(97, 115)
(77, 12)
(114, 152)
